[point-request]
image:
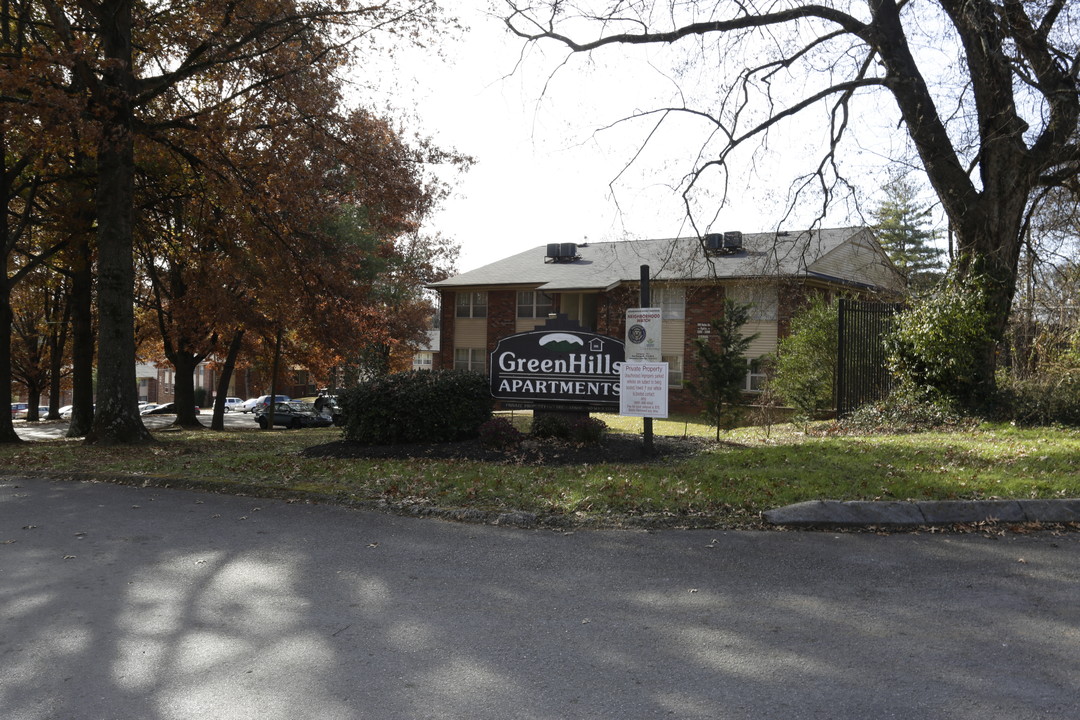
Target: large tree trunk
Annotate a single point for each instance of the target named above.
(82, 339)
(116, 419)
(7, 429)
(57, 343)
(218, 421)
(184, 389)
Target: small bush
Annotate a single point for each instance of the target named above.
(550, 427)
(904, 412)
(1047, 399)
(936, 347)
(500, 434)
(417, 406)
(587, 430)
(804, 373)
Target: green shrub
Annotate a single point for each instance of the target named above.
(903, 412)
(417, 406)
(936, 347)
(550, 426)
(1047, 399)
(804, 372)
(587, 430)
(583, 429)
(500, 434)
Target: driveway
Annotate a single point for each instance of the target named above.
(58, 430)
(120, 602)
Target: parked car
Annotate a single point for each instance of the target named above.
(233, 403)
(252, 404)
(166, 409)
(292, 415)
(24, 411)
(325, 405)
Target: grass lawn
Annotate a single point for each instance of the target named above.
(729, 485)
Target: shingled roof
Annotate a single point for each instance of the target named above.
(847, 255)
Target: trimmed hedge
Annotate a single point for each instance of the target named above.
(417, 406)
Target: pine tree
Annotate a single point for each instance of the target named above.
(722, 367)
(902, 226)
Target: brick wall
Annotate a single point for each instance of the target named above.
(444, 359)
(703, 305)
(502, 316)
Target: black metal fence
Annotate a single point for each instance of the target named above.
(861, 373)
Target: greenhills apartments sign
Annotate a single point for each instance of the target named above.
(557, 366)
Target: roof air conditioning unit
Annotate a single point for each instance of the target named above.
(568, 250)
(714, 241)
(733, 240)
(552, 250)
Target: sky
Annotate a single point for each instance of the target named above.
(544, 169)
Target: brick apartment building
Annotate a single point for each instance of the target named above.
(595, 283)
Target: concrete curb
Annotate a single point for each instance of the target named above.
(930, 512)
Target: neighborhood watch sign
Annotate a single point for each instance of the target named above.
(560, 365)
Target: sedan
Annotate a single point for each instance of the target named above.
(292, 415)
(166, 409)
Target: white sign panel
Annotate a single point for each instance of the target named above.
(643, 389)
(643, 329)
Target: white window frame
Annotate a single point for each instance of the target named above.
(671, 299)
(675, 370)
(763, 299)
(474, 359)
(531, 308)
(471, 304)
(755, 375)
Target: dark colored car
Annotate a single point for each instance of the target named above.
(292, 415)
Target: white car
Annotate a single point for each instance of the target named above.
(254, 404)
(233, 403)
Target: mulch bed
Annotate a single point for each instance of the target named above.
(614, 448)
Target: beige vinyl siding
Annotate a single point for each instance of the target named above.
(672, 337)
(470, 332)
(528, 324)
(857, 262)
(766, 340)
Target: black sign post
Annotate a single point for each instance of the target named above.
(647, 429)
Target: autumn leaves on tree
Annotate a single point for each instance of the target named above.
(233, 190)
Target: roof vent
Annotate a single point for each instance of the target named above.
(723, 243)
(562, 252)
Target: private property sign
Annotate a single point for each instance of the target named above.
(559, 365)
(644, 389)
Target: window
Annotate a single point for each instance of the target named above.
(471, 304)
(469, 359)
(674, 370)
(670, 300)
(534, 304)
(762, 300)
(423, 361)
(755, 376)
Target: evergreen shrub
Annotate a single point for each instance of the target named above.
(550, 427)
(587, 430)
(417, 406)
(804, 371)
(500, 434)
(1047, 399)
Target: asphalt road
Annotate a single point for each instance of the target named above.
(120, 602)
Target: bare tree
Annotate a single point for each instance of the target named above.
(987, 93)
